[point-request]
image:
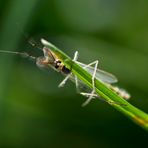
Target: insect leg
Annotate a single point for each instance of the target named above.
(77, 84)
(92, 94)
(93, 63)
(64, 81)
(69, 75)
(76, 56)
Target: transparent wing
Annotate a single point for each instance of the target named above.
(100, 74)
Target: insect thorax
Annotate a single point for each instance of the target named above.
(61, 67)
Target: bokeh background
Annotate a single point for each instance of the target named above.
(34, 112)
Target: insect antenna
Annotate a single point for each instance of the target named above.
(34, 43)
(22, 54)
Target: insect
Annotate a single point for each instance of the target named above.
(50, 59)
(107, 78)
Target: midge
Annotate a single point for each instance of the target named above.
(50, 59)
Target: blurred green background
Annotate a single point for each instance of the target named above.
(34, 112)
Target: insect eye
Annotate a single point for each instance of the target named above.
(58, 61)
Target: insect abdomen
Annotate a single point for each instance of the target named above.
(65, 70)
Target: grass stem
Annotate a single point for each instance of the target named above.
(132, 112)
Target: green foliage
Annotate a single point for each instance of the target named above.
(33, 111)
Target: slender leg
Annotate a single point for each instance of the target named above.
(76, 78)
(64, 81)
(76, 56)
(93, 63)
(68, 76)
(92, 94)
(77, 84)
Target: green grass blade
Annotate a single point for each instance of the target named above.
(102, 90)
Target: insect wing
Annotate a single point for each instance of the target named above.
(100, 74)
(49, 55)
